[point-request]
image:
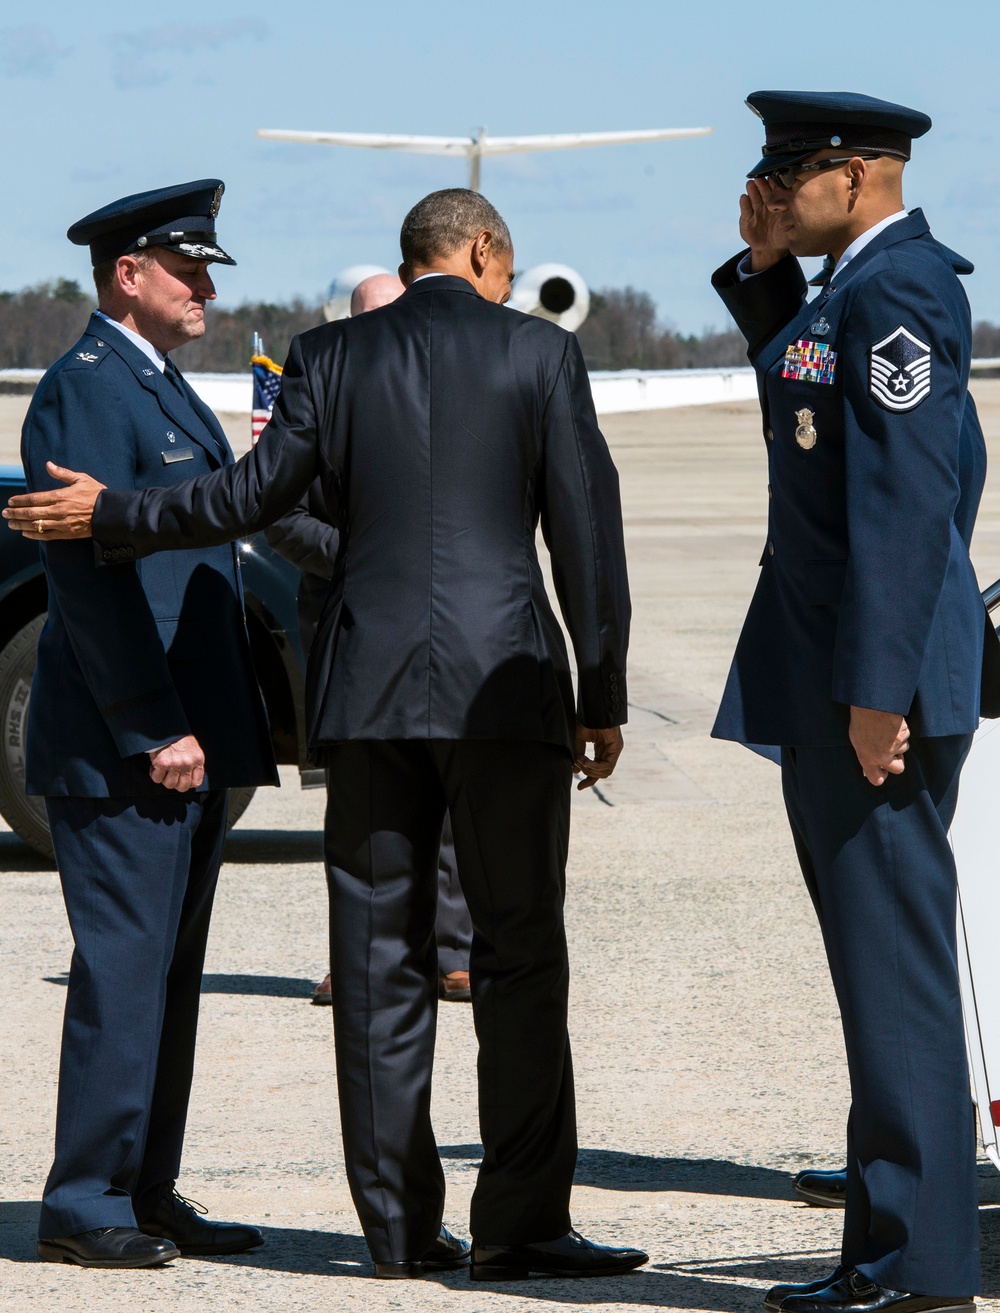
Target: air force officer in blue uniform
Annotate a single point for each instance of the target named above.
(867, 656)
(144, 710)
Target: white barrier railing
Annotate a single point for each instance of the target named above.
(615, 393)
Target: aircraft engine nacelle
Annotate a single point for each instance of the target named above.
(554, 292)
(338, 299)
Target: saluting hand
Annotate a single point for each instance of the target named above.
(608, 744)
(879, 738)
(179, 765)
(58, 512)
(760, 227)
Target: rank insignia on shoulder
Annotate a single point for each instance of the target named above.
(899, 371)
(810, 362)
(86, 355)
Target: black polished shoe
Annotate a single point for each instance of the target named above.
(445, 1253)
(773, 1298)
(569, 1256)
(822, 1189)
(855, 1293)
(177, 1219)
(109, 1246)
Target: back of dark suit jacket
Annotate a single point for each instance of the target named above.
(444, 428)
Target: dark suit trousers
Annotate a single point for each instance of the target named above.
(453, 924)
(509, 805)
(881, 874)
(138, 877)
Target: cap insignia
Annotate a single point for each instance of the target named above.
(213, 209)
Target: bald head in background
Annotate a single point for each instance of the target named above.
(373, 292)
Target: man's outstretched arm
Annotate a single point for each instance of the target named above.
(214, 508)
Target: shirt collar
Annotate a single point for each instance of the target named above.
(435, 274)
(145, 347)
(859, 243)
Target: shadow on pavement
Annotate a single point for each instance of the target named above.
(263, 986)
(613, 1169)
(327, 1253)
(15, 855)
(277, 847)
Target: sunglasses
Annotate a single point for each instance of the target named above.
(785, 177)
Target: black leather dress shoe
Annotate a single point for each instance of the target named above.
(855, 1293)
(822, 1189)
(109, 1246)
(445, 1253)
(569, 1256)
(177, 1219)
(773, 1298)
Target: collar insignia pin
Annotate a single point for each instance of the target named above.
(148, 373)
(805, 434)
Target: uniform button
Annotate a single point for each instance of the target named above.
(770, 548)
(129, 551)
(769, 435)
(106, 554)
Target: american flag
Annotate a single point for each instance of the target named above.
(266, 386)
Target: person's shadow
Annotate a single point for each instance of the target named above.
(615, 1169)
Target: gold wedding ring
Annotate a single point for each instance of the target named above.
(40, 526)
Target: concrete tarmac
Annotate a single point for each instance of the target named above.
(707, 1046)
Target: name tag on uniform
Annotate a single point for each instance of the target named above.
(810, 362)
(179, 453)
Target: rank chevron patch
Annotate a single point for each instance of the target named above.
(899, 371)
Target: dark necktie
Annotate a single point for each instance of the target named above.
(173, 376)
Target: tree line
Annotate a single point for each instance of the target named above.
(622, 331)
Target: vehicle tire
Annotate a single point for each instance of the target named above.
(26, 815)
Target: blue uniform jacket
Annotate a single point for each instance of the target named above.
(133, 658)
(876, 464)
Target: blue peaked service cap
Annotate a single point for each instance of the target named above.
(180, 219)
(797, 124)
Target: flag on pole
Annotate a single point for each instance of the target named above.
(266, 385)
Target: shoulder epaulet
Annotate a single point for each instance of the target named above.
(87, 354)
(958, 262)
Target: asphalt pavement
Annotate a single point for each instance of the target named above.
(707, 1047)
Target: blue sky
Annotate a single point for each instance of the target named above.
(102, 100)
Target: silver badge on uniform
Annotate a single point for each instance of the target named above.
(820, 328)
(805, 434)
(899, 371)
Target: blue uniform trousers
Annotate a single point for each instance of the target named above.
(138, 876)
(881, 874)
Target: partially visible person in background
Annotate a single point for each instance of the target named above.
(307, 538)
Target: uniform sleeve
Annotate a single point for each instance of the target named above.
(905, 381)
(764, 303)
(106, 614)
(581, 520)
(306, 540)
(232, 501)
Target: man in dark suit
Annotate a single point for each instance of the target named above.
(445, 427)
(144, 710)
(867, 657)
(306, 538)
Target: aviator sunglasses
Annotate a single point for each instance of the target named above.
(785, 176)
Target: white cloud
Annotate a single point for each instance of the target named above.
(29, 51)
(138, 56)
